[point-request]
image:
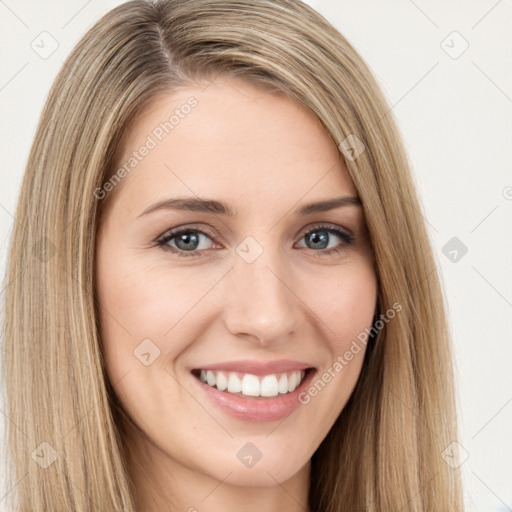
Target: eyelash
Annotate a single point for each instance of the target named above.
(163, 240)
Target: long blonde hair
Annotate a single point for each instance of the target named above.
(384, 453)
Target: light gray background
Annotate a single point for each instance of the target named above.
(455, 118)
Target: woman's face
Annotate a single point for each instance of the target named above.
(255, 287)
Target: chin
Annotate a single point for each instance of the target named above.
(262, 470)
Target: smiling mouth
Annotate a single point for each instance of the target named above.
(250, 385)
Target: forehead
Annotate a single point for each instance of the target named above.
(230, 140)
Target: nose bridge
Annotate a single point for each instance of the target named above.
(260, 302)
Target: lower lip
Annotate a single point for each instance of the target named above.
(256, 409)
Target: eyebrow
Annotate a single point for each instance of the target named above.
(196, 204)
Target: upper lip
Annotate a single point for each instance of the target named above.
(257, 367)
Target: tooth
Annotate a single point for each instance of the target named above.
(283, 384)
(234, 384)
(292, 382)
(269, 386)
(298, 377)
(222, 382)
(250, 385)
(210, 378)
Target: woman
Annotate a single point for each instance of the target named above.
(299, 358)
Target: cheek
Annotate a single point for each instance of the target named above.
(138, 307)
(140, 302)
(346, 304)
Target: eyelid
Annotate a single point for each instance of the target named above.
(208, 231)
(325, 225)
(186, 227)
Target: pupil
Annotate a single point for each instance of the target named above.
(321, 239)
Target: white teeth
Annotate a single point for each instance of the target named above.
(234, 383)
(292, 382)
(252, 385)
(210, 378)
(283, 384)
(269, 386)
(221, 381)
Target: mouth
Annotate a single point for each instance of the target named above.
(251, 386)
(254, 391)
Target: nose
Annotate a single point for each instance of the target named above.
(260, 302)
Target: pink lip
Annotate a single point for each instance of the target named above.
(257, 367)
(256, 409)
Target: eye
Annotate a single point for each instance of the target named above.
(185, 240)
(191, 241)
(320, 237)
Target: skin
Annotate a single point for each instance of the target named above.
(264, 155)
